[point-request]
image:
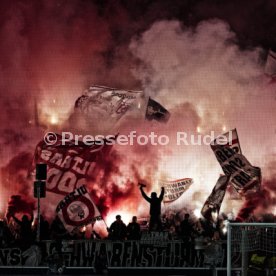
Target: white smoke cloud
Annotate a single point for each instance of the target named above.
(225, 85)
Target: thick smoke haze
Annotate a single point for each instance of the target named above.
(203, 61)
(205, 67)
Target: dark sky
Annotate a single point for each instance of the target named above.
(252, 20)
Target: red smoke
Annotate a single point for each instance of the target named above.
(17, 204)
(114, 183)
(14, 174)
(261, 202)
(14, 180)
(107, 193)
(52, 50)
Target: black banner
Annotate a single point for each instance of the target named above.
(87, 253)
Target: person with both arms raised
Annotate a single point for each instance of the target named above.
(155, 208)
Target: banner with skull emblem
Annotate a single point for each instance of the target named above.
(77, 209)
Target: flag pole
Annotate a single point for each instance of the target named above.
(38, 215)
(104, 222)
(238, 140)
(99, 212)
(165, 209)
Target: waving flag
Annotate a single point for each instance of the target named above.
(245, 178)
(105, 103)
(77, 209)
(174, 189)
(155, 111)
(239, 173)
(211, 207)
(68, 165)
(242, 175)
(232, 141)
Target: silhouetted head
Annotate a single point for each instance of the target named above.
(153, 195)
(118, 218)
(186, 216)
(134, 219)
(25, 218)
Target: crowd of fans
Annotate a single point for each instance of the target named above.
(201, 238)
(23, 230)
(195, 234)
(204, 240)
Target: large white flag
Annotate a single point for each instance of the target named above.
(77, 209)
(239, 173)
(105, 103)
(242, 175)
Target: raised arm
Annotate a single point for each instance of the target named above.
(144, 194)
(162, 193)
